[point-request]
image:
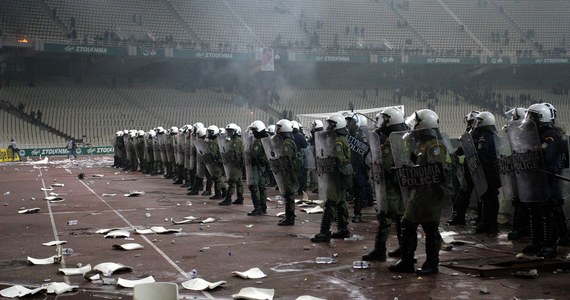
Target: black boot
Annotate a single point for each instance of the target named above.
(289, 219)
(227, 201)
(519, 221)
(217, 195)
(341, 223)
(409, 244)
(433, 245)
(379, 252)
(398, 224)
(536, 231)
(257, 211)
(239, 199)
(550, 235)
(324, 236)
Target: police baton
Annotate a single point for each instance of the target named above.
(555, 175)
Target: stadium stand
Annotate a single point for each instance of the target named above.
(26, 19)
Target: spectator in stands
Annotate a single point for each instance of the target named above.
(39, 115)
(71, 148)
(14, 147)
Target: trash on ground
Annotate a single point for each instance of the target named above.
(354, 237)
(54, 243)
(72, 222)
(128, 246)
(76, 271)
(47, 189)
(98, 175)
(134, 194)
(483, 289)
(280, 214)
(57, 185)
(199, 284)
(208, 220)
(313, 210)
(119, 233)
(325, 260)
(360, 264)
(108, 195)
(108, 268)
(253, 273)
(53, 198)
(29, 210)
(307, 297)
(60, 288)
(19, 291)
(526, 274)
(106, 230)
(131, 283)
(255, 294)
(158, 230)
(44, 261)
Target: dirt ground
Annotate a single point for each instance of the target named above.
(233, 242)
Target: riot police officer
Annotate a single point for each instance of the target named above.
(487, 153)
(391, 207)
(426, 187)
(359, 148)
(257, 164)
(215, 165)
(335, 176)
(231, 151)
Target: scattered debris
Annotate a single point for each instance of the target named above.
(526, 274)
(119, 233)
(204, 249)
(29, 210)
(255, 294)
(54, 243)
(19, 291)
(57, 185)
(76, 271)
(106, 230)
(98, 175)
(354, 237)
(46, 189)
(108, 268)
(131, 283)
(128, 246)
(199, 284)
(360, 264)
(249, 225)
(108, 195)
(483, 289)
(54, 199)
(325, 260)
(157, 229)
(253, 273)
(134, 194)
(44, 261)
(307, 297)
(313, 210)
(72, 222)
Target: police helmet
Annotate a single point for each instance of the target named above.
(389, 116)
(140, 133)
(213, 130)
(423, 119)
(257, 125)
(484, 118)
(152, 133)
(317, 124)
(540, 113)
(201, 132)
(119, 133)
(336, 121)
(470, 117)
(295, 124)
(516, 113)
(283, 126)
(271, 129)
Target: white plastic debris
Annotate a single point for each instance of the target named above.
(253, 273)
(57, 185)
(131, 283)
(54, 243)
(47, 189)
(252, 293)
(106, 230)
(119, 233)
(19, 291)
(60, 288)
(158, 230)
(98, 175)
(108, 268)
(108, 195)
(209, 220)
(134, 194)
(313, 210)
(29, 210)
(128, 246)
(44, 261)
(307, 297)
(53, 198)
(76, 271)
(199, 284)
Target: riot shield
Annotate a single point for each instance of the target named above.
(506, 171)
(247, 140)
(200, 167)
(156, 148)
(473, 164)
(162, 144)
(203, 151)
(420, 161)
(280, 164)
(188, 153)
(528, 164)
(377, 171)
(228, 150)
(180, 148)
(327, 166)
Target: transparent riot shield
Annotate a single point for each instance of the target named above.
(247, 140)
(377, 171)
(561, 128)
(228, 150)
(506, 166)
(327, 166)
(180, 148)
(528, 164)
(420, 160)
(162, 145)
(189, 162)
(281, 165)
(473, 164)
(156, 148)
(203, 151)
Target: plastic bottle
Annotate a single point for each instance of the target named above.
(67, 251)
(355, 237)
(325, 260)
(193, 274)
(360, 264)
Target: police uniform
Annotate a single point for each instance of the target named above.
(258, 180)
(234, 178)
(489, 202)
(217, 170)
(289, 152)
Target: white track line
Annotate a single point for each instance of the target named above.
(54, 228)
(153, 245)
